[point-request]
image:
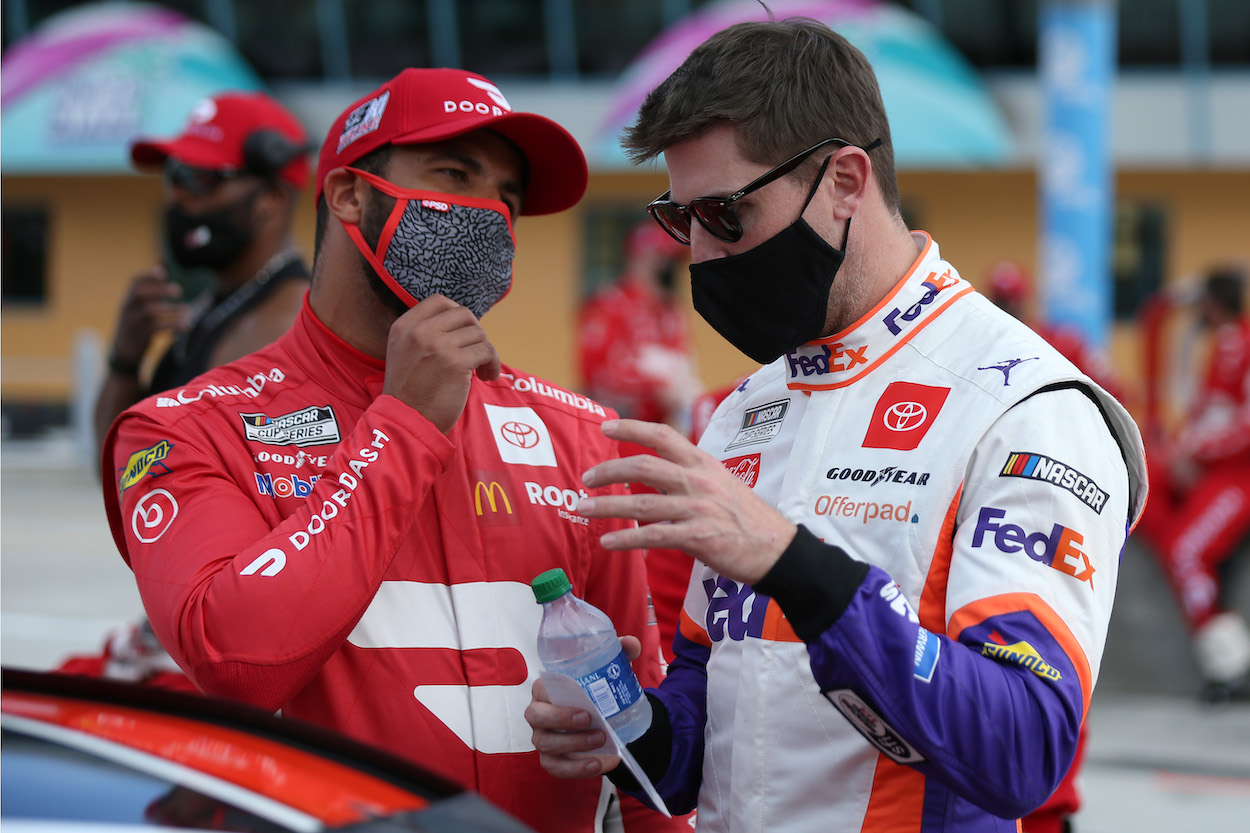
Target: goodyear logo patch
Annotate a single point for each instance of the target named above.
(141, 463)
(1040, 467)
(1022, 653)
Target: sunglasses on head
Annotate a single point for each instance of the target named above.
(197, 181)
(716, 214)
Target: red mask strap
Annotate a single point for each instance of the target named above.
(353, 231)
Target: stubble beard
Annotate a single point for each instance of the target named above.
(378, 207)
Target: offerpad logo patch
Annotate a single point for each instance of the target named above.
(903, 415)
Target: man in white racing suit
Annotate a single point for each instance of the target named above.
(899, 624)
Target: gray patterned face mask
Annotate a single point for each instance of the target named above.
(435, 243)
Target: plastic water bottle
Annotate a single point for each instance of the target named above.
(578, 640)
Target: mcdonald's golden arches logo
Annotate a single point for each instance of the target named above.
(491, 501)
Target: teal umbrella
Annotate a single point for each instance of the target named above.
(940, 112)
(77, 89)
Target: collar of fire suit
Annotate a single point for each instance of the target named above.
(928, 288)
(328, 359)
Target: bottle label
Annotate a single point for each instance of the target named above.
(613, 687)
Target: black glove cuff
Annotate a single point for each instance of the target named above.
(813, 582)
(652, 751)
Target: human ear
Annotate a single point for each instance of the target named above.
(851, 173)
(343, 192)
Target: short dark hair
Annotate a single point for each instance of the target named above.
(375, 162)
(1226, 286)
(782, 85)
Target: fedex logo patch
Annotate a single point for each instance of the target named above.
(1060, 549)
(834, 358)
(898, 318)
(733, 610)
(903, 415)
(736, 612)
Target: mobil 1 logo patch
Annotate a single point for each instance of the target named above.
(759, 425)
(309, 426)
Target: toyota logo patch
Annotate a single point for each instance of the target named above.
(904, 414)
(519, 434)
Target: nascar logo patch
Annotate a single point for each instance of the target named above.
(1031, 466)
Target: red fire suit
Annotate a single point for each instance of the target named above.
(627, 334)
(1195, 532)
(303, 542)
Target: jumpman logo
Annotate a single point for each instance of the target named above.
(1006, 367)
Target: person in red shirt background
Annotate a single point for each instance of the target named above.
(635, 355)
(1010, 289)
(634, 349)
(1198, 515)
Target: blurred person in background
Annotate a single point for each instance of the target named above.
(634, 348)
(1010, 287)
(1199, 511)
(233, 180)
(635, 355)
(345, 523)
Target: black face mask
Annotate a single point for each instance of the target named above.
(211, 239)
(769, 300)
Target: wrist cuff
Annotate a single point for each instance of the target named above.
(652, 751)
(813, 582)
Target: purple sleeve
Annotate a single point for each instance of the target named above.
(671, 751)
(993, 715)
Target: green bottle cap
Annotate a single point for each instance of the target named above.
(550, 585)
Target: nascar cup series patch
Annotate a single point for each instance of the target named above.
(309, 426)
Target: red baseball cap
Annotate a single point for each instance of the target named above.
(216, 132)
(1008, 282)
(647, 237)
(419, 106)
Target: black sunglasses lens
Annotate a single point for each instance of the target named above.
(199, 181)
(672, 219)
(718, 217)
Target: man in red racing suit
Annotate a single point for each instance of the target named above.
(344, 525)
(1200, 511)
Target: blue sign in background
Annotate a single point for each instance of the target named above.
(1077, 57)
